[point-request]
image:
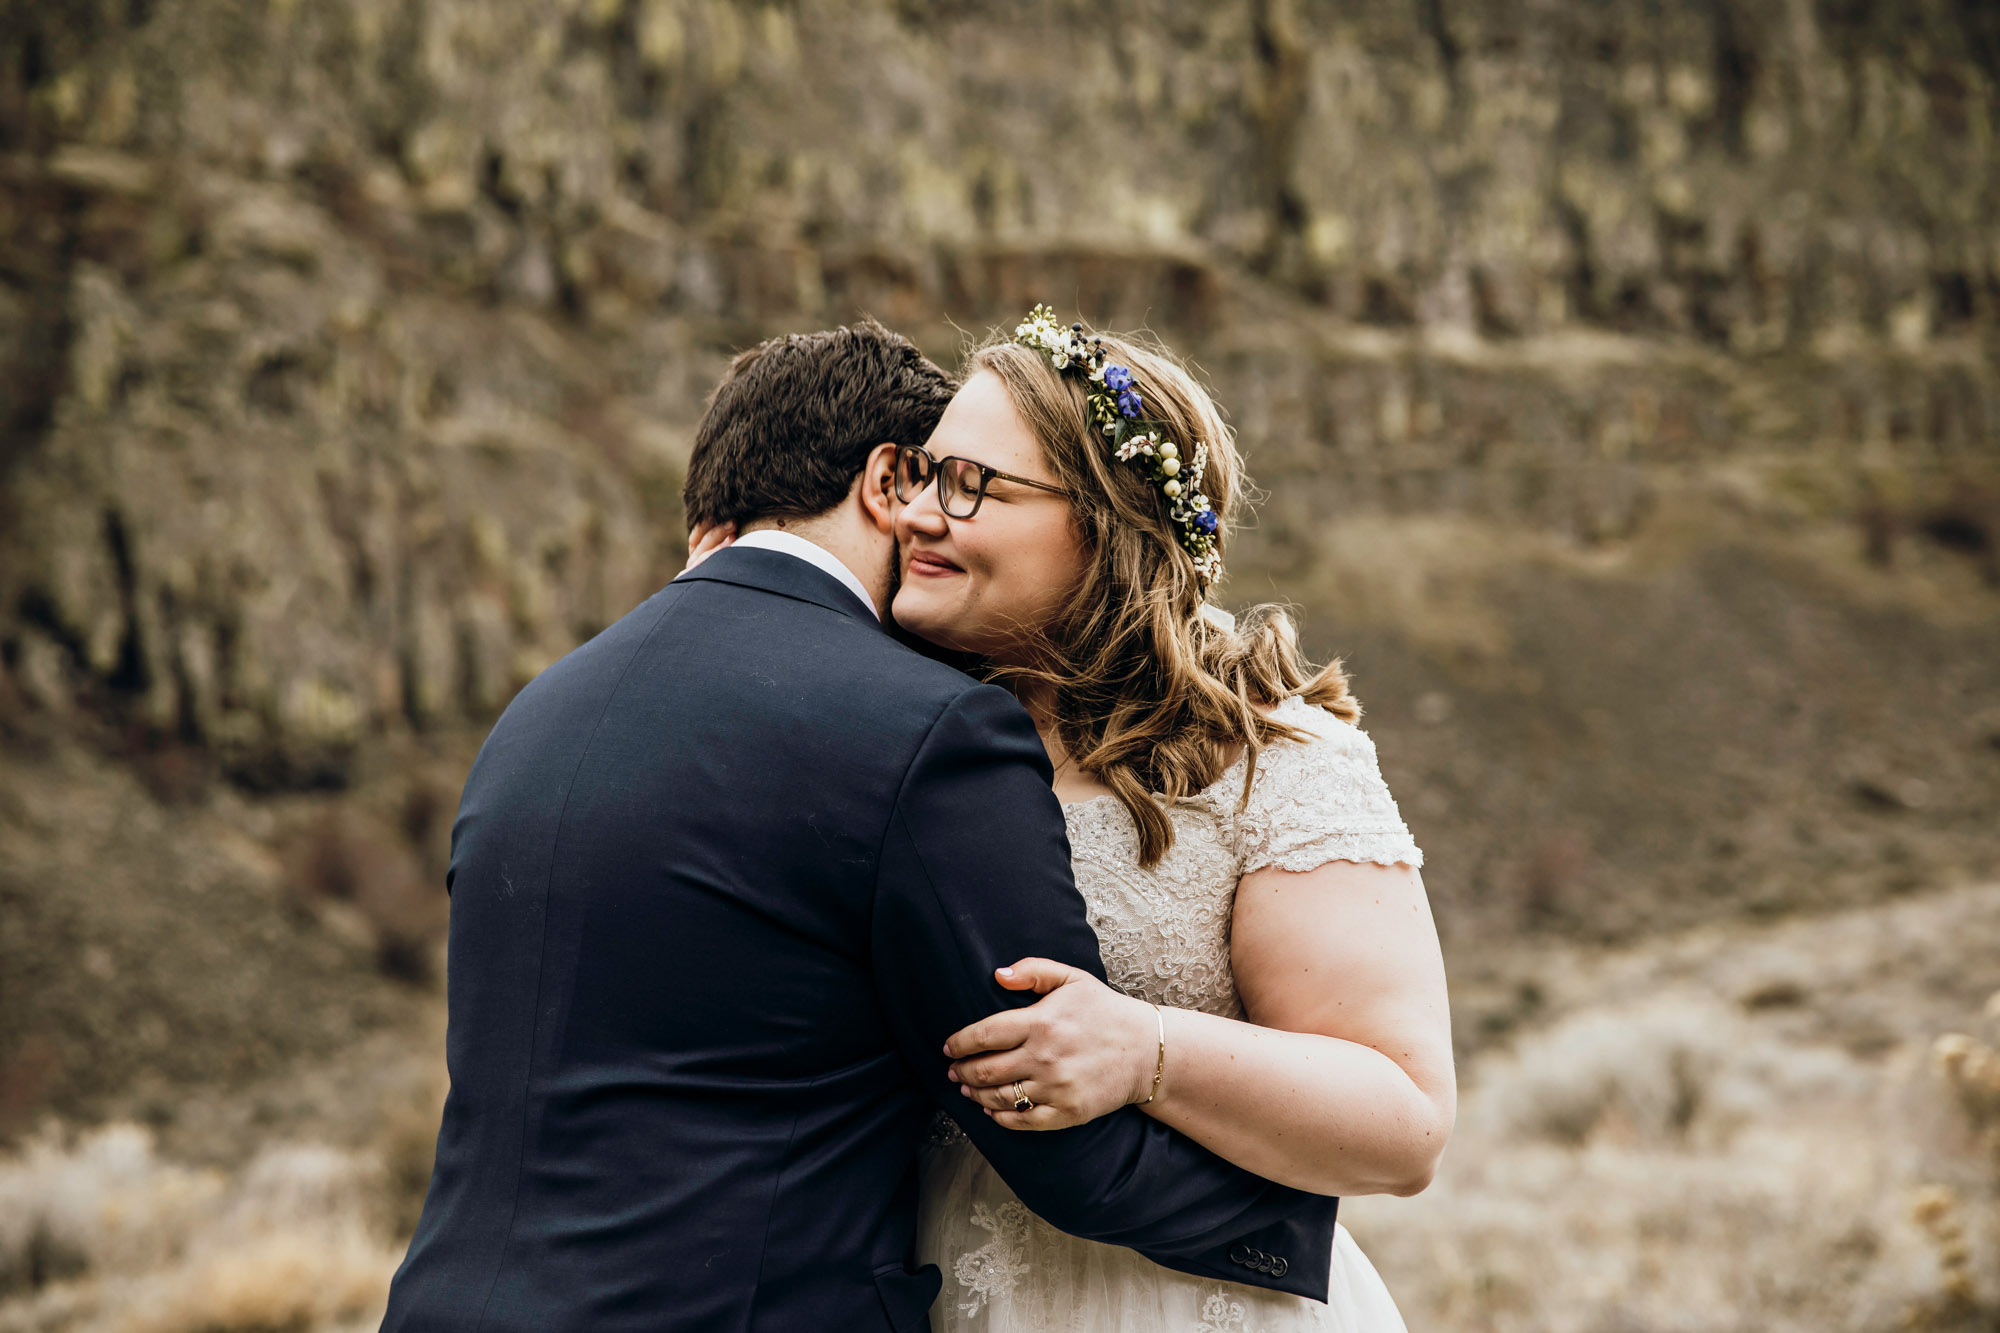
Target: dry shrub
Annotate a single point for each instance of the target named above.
(1971, 1068)
(1968, 523)
(103, 1203)
(291, 1242)
(1644, 1074)
(291, 1279)
(1962, 1216)
(1667, 1072)
(405, 1142)
(425, 816)
(172, 773)
(25, 1075)
(1551, 878)
(360, 876)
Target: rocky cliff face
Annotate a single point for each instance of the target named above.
(1622, 376)
(348, 337)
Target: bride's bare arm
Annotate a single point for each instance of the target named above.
(1341, 1081)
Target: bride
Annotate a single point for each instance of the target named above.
(1279, 993)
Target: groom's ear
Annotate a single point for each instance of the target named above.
(878, 487)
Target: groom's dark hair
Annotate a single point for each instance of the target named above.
(787, 430)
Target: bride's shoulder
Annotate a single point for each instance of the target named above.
(1327, 736)
(1322, 739)
(1321, 797)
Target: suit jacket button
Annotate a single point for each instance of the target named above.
(1240, 1255)
(1280, 1268)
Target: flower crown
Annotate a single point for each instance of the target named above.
(1114, 405)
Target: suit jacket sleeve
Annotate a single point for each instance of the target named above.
(975, 874)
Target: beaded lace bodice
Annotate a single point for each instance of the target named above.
(1164, 932)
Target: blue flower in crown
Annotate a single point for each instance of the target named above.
(1114, 405)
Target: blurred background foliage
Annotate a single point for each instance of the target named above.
(1621, 375)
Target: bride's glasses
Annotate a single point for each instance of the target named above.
(961, 482)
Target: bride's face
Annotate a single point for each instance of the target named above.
(980, 584)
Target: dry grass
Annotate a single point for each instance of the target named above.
(102, 1203)
(102, 1236)
(1683, 1071)
(1681, 1190)
(1735, 1131)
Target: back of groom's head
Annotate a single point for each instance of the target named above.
(794, 419)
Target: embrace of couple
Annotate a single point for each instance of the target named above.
(927, 911)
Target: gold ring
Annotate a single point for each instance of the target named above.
(1022, 1102)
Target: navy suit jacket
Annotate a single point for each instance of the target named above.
(723, 880)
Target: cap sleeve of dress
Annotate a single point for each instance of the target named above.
(1322, 800)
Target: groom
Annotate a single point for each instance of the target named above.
(723, 881)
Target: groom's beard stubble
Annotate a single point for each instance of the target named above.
(895, 581)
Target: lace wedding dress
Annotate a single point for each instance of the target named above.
(1165, 937)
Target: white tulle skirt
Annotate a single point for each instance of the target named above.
(1007, 1271)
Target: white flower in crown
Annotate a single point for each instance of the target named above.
(1040, 329)
(1135, 445)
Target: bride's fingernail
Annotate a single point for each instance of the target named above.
(952, 1074)
(1006, 971)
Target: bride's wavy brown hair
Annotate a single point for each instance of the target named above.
(1148, 694)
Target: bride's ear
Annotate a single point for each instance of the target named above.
(878, 487)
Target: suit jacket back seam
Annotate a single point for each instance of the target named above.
(542, 964)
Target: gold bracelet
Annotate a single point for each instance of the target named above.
(1160, 1069)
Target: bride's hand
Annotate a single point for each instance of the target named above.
(706, 540)
(1080, 1052)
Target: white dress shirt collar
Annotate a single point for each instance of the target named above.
(776, 539)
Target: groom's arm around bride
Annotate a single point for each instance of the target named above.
(975, 864)
(723, 881)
